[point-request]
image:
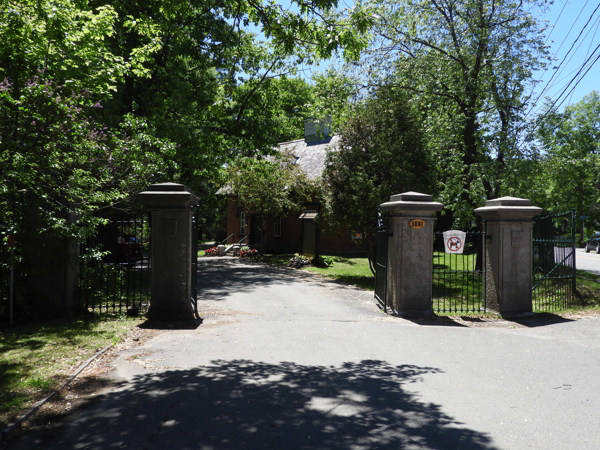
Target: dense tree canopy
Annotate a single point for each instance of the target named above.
(271, 187)
(569, 177)
(382, 153)
(470, 63)
(100, 99)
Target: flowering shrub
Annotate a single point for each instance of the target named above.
(247, 251)
(213, 251)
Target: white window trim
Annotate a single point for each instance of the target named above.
(243, 222)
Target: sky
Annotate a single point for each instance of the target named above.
(572, 44)
(574, 39)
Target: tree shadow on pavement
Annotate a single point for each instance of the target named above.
(251, 405)
(219, 278)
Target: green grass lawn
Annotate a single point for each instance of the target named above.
(37, 358)
(457, 286)
(353, 271)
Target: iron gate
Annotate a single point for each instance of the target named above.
(554, 282)
(381, 255)
(459, 279)
(194, 261)
(114, 271)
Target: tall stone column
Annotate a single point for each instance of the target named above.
(171, 250)
(410, 253)
(509, 254)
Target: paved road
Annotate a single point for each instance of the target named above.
(587, 261)
(289, 361)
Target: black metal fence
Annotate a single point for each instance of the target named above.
(381, 260)
(5, 283)
(459, 278)
(194, 262)
(115, 266)
(554, 276)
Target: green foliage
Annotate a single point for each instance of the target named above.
(471, 64)
(57, 159)
(322, 261)
(571, 143)
(269, 187)
(381, 153)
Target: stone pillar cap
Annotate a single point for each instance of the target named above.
(508, 208)
(413, 203)
(168, 187)
(411, 197)
(167, 196)
(508, 201)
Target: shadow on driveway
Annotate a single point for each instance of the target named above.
(250, 405)
(220, 277)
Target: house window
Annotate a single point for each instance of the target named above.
(277, 227)
(243, 223)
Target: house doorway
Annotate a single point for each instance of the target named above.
(309, 237)
(255, 229)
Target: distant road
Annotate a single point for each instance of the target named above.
(587, 261)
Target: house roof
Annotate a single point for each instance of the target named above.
(310, 156)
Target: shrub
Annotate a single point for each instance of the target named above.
(213, 251)
(322, 261)
(247, 252)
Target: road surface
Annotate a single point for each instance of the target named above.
(285, 360)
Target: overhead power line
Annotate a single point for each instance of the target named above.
(593, 58)
(568, 52)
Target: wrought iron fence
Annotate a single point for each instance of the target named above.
(115, 266)
(5, 284)
(459, 278)
(381, 260)
(554, 275)
(194, 262)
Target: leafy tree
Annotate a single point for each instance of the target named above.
(382, 153)
(569, 176)
(269, 187)
(471, 64)
(55, 70)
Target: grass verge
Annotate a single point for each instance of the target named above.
(37, 358)
(355, 271)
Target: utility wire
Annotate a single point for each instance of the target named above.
(577, 77)
(587, 53)
(580, 44)
(552, 107)
(578, 81)
(567, 54)
(557, 19)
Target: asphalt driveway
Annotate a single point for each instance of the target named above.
(285, 360)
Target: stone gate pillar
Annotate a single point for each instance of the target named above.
(410, 253)
(509, 254)
(171, 249)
